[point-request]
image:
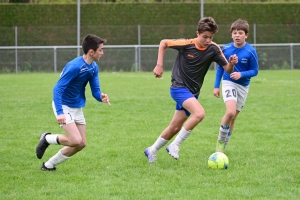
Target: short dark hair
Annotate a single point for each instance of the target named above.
(240, 25)
(207, 24)
(91, 42)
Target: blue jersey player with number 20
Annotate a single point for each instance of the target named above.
(235, 86)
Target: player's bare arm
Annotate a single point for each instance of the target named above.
(230, 66)
(158, 70)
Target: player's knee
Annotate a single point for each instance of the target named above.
(230, 115)
(79, 145)
(76, 142)
(176, 129)
(199, 116)
(83, 144)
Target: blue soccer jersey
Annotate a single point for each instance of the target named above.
(247, 64)
(70, 88)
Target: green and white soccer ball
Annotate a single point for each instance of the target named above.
(218, 160)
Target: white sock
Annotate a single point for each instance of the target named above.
(182, 135)
(224, 129)
(159, 143)
(52, 139)
(228, 137)
(56, 159)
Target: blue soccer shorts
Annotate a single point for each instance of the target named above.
(179, 95)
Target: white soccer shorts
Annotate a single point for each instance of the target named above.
(236, 92)
(72, 114)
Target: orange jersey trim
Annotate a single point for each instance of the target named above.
(220, 50)
(182, 42)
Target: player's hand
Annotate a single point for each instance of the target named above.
(235, 75)
(217, 92)
(105, 98)
(61, 119)
(233, 59)
(158, 71)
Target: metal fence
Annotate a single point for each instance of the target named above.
(133, 58)
(139, 34)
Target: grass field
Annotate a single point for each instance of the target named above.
(263, 152)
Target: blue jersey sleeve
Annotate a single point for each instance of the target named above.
(219, 74)
(95, 85)
(253, 71)
(68, 73)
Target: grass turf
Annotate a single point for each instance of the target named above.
(263, 152)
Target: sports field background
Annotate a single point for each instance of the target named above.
(263, 153)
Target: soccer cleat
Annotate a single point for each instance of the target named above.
(44, 168)
(173, 150)
(42, 145)
(220, 147)
(151, 156)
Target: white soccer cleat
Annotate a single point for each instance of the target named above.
(151, 156)
(173, 150)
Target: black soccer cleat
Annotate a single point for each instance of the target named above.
(44, 168)
(42, 145)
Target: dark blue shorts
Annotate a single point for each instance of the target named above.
(180, 95)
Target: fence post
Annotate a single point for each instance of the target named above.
(55, 59)
(16, 50)
(254, 34)
(139, 48)
(292, 56)
(78, 27)
(136, 58)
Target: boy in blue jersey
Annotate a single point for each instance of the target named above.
(68, 101)
(235, 85)
(190, 67)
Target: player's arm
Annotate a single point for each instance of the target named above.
(95, 89)
(68, 73)
(253, 68)
(228, 65)
(233, 59)
(95, 86)
(219, 74)
(158, 70)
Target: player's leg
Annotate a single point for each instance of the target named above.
(231, 128)
(242, 93)
(225, 127)
(179, 95)
(229, 93)
(48, 138)
(76, 142)
(196, 112)
(187, 105)
(175, 125)
(73, 142)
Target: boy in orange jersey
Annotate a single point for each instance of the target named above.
(191, 65)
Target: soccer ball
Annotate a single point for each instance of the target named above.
(218, 160)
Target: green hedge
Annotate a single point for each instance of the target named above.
(146, 14)
(56, 24)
